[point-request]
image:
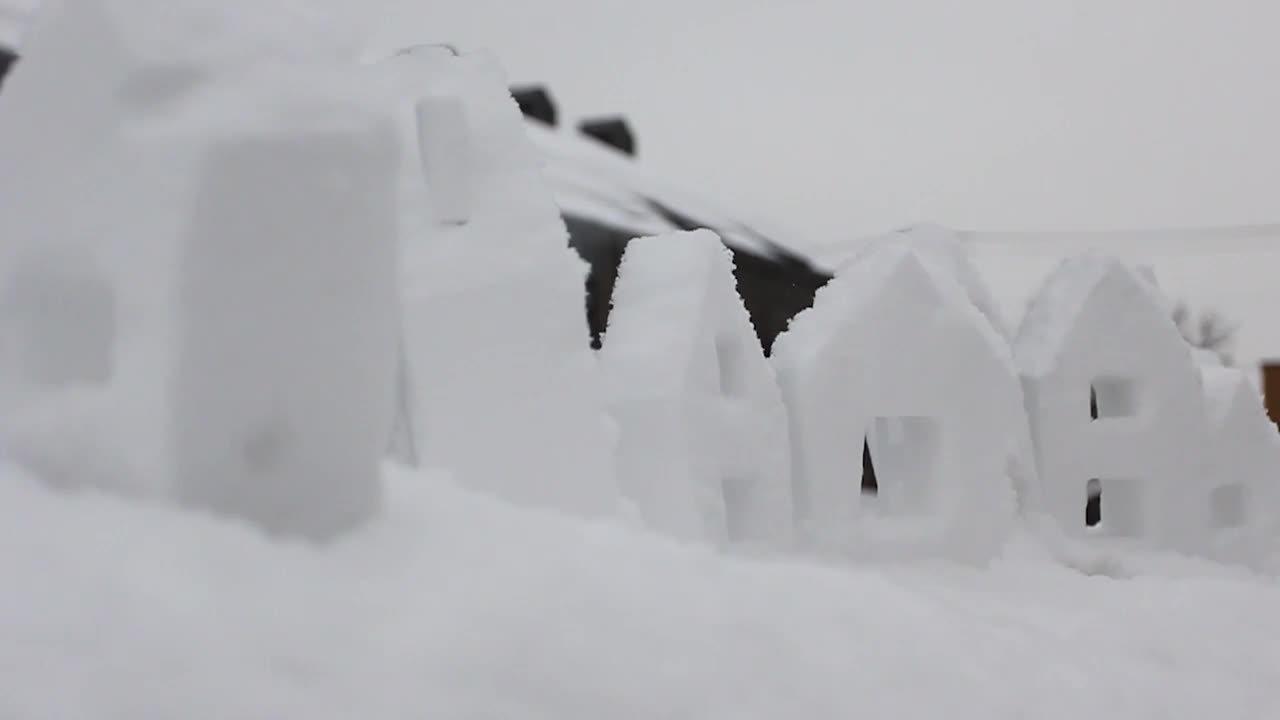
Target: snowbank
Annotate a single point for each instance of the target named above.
(455, 606)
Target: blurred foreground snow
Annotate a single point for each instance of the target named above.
(456, 606)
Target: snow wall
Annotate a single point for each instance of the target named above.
(279, 275)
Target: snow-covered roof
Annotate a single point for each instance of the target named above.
(1234, 271)
(597, 182)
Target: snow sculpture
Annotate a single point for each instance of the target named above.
(104, 126)
(703, 450)
(288, 327)
(893, 349)
(82, 273)
(1099, 329)
(1244, 459)
(506, 390)
(945, 250)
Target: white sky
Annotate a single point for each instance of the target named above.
(843, 117)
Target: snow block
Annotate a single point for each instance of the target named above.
(703, 450)
(288, 329)
(506, 390)
(1244, 452)
(1100, 329)
(894, 353)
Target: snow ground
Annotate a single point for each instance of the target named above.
(455, 606)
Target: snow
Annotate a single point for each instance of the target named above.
(1099, 324)
(890, 342)
(1228, 270)
(287, 316)
(703, 446)
(936, 244)
(454, 605)
(59, 314)
(596, 181)
(503, 386)
(499, 578)
(1244, 452)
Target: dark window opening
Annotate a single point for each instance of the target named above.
(869, 484)
(1093, 506)
(1113, 397)
(1114, 508)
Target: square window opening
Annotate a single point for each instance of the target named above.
(900, 458)
(1113, 397)
(1227, 505)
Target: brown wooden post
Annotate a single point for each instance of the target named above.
(1271, 388)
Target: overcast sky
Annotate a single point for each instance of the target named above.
(840, 117)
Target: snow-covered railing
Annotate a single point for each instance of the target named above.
(246, 258)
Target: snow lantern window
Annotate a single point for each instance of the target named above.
(1113, 397)
(60, 309)
(1119, 507)
(904, 452)
(1227, 506)
(1093, 505)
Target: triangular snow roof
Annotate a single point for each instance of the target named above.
(879, 269)
(1232, 270)
(1051, 319)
